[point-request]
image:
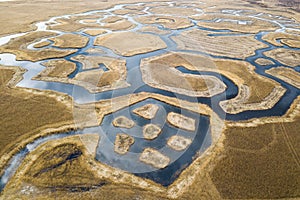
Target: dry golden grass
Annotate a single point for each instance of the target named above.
(154, 29)
(98, 78)
(293, 43)
(58, 68)
(53, 166)
(166, 10)
(259, 162)
(112, 19)
(119, 25)
(264, 62)
(108, 79)
(95, 32)
(23, 112)
(260, 87)
(117, 70)
(125, 11)
(63, 169)
(239, 46)
(70, 41)
(291, 40)
(5, 77)
(131, 43)
(288, 75)
(42, 44)
(171, 22)
(71, 25)
(285, 56)
(230, 22)
(173, 80)
(14, 19)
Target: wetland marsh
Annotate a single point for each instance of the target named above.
(165, 87)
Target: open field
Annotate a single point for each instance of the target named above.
(233, 46)
(70, 41)
(170, 22)
(290, 76)
(128, 12)
(95, 32)
(135, 43)
(14, 20)
(235, 23)
(72, 25)
(264, 155)
(166, 10)
(58, 69)
(44, 110)
(153, 29)
(280, 39)
(285, 56)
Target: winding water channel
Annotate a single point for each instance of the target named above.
(105, 153)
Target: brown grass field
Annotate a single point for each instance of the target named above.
(260, 162)
(59, 68)
(23, 112)
(70, 41)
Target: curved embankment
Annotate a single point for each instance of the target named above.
(241, 73)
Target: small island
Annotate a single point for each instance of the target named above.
(179, 143)
(151, 131)
(155, 158)
(264, 62)
(123, 122)
(181, 121)
(122, 143)
(147, 111)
